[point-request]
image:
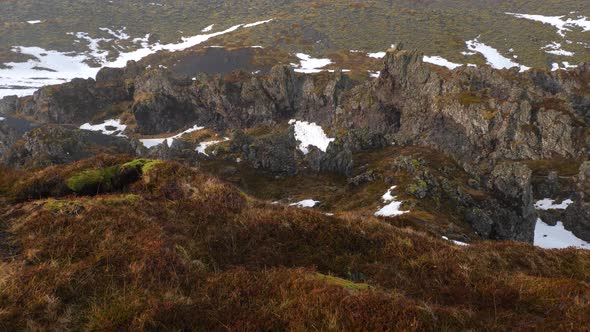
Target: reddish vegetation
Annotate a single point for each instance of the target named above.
(179, 250)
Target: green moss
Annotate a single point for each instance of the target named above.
(118, 200)
(149, 165)
(342, 282)
(56, 205)
(93, 180)
(145, 165)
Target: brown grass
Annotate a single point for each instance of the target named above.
(179, 250)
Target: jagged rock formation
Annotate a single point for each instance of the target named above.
(61, 144)
(486, 120)
(477, 115)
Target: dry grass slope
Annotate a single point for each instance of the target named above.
(175, 249)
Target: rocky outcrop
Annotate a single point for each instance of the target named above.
(336, 159)
(11, 130)
(513, 183)
(576, 217)
(179, 150)
(481, 115)
(61, 144)
(275, 152)
(487, 120)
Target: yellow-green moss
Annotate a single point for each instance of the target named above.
(141, 164)
(95, 179)
(341, 282)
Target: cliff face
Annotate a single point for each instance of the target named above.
(490, 122)
(481, 115)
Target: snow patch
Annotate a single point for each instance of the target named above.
(440, 61)
(202, 148)
(377, 55)
(374, 74)
(393, 208)
(257, 23)
(306, 203)
(459, 243)
(310, 65)
(50, 67)
(109, 127)
(119, 34)
(34, 22)
(493, 56)
(2, 119)
(310, 134)
(562, 25)
(555, 48)
(549, 204)
(209, 28)
(151, 142)
(557, 237)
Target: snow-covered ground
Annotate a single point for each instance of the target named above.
(1, 118)
(306, 203)
(555, 48)
(549, 204)
(34, 22)
(563, 66)
(561, 23)
(493, 56)
(250, 25)
(440, 61)
(151, 142)
(310, 65)
(459, 243)
(109, 127)
(310, 134)
(376, 55)
(555, 237)
(202, 148)
(393, 208)
(55, 67)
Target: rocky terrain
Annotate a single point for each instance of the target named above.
(369, 189)
(496, 126)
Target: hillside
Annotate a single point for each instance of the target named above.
(294, 165)
(542, 34)
(164, 246)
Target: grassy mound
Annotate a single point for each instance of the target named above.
(180, 250)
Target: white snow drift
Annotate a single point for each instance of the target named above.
(151, 142)
(310, 134)
(549, 204)
(563, 25)
(310, 65)
(306, 203)
(440, 61)
(555, 48)
(494, 57)
(393, 208)
(54, 67)
(109, 127)
(202, 148)
(555, 237)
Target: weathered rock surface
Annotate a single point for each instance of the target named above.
(485, 119)
(62, 144)
(275, 152)
(576, 217)
(513, 182)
